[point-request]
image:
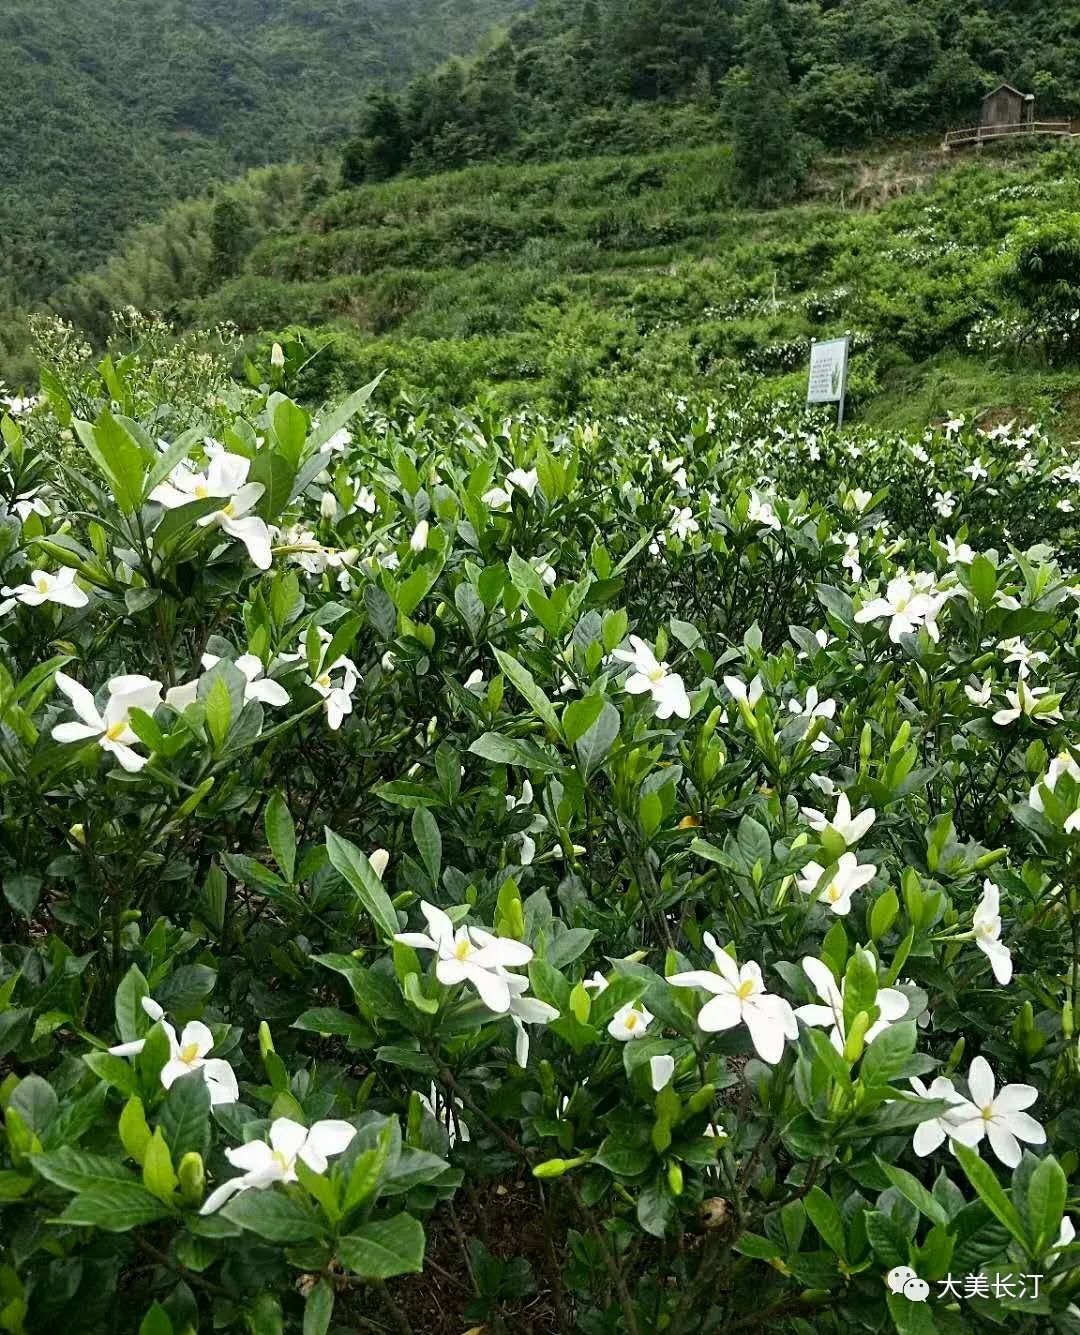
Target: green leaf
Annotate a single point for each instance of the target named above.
(351, 864)
(34, 1099)
(579, 716)
(158, 1174)
(218, 704)
(594, 744)
(272, 1215)
(131, 1019)
(185, 1116)
(860, 987)
(117, 1207)
(911, 1188)
(76, 1170)
(990, 1191)
(341, 416)
(119, 456)
(290, 427)
(384, 1248)
(115, 1071)
(22, 890)
(428, 840)
(502, 750)
(1045, 1203)
(886, 1054)
(983, 579)
(527, 687)
(318, 1309)
(281, 834)
(825, 1217)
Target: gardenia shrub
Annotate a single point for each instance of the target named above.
(668, 823)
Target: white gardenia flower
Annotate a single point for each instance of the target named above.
(274, 1160)
(469, 955)
(976, 469)
(365, 500)
(419, 538)
(907, 608)
(597, 983)
(850, 559)
(999, 1117)
(1016, 651)
(629, 1022)
(46, 588)
(958, 553)
(498, 498)
(379, 860)
(328, 506)
(850, 828)
(188, 1054)
(1063, 763)
(980, 695)
(738, 690)
(892, 1005)
(740, 998)
(944, 503)
(987, 929)
(932, 1134)
(257, 685)
(337, 695)
(683, 522)
(525, 480)
(1027, 700)
(761, 512)
(848, 877)
(666, 687)
(225, 477)
(110, 727)
(525, 1010)
(812, 709)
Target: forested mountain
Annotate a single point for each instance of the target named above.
(578, 76)
(111, 110)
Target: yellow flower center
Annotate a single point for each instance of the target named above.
(281, 1161)
(462, 949)
(201, 491)
(657, 674)
(632, 1019)
(227, 509)
(42, 584)
(745, 990)
(115, 731)
(189, 1053)
(988, 1112)
(323, 680)
(833, 892)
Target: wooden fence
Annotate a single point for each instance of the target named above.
(980, 134)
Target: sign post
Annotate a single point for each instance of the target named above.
(828, 374)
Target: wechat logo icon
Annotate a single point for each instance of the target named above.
(902, 1279)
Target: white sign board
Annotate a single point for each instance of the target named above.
(828, 371)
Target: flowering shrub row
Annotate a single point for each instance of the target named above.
(670, 822)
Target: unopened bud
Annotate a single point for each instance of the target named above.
(78, 832)
(379, 860)
(192, 1178)
(277, 357)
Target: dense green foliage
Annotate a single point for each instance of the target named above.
(606, 281)
(115, 109)
(570, 75)
(414, 818)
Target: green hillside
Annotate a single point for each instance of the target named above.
(604, 279)
(114, 109)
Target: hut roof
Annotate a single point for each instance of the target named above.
(1008, 88)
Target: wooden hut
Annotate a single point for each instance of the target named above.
(1005, 109)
